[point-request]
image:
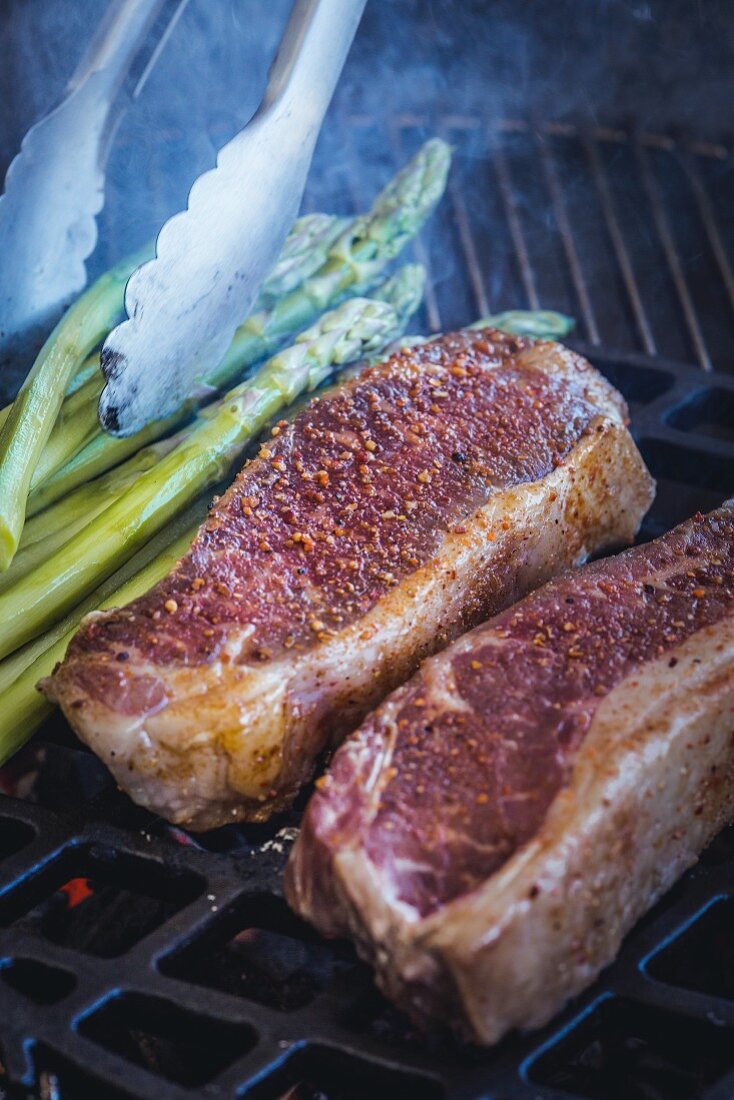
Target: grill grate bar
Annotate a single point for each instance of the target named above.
(709, 221)
(509, 204)
(618, 243)
(569, 246)
(471, 258)
(463, 225)
(671, 254)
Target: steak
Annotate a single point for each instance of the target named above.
(387, 518)
(492, 831)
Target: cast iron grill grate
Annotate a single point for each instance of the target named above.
(138, 961)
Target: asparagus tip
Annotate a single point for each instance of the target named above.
(542, 324)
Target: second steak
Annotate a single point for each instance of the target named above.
(497, 825)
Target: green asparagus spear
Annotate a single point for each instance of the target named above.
(543, 324)
(12, 666)
(76, 425)
(358, 327)
(36, 407)
(303, 253)
(79, 435)
(106, 488)
(101, 455)
(89, 368)
(22, 707)
(47, 532)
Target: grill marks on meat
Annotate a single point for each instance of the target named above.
(423, 496)
(451, 792)
(354, 497)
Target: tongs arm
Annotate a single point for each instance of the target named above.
(311, 55)
(126, 44)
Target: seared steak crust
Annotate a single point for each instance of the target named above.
(444, 787)
(336, 515)
(353, 497)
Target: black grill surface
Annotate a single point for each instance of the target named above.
(139, 961)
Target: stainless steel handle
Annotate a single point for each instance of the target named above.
(311, 56)
(127, 43)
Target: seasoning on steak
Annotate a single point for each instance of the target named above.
(389, 517)
(491, 832)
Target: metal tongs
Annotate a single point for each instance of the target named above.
(54, 187)
(211, 260)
